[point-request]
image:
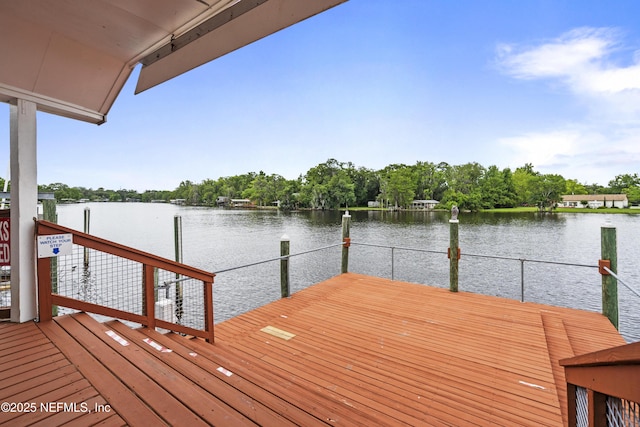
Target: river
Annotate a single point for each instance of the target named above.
(218, 239)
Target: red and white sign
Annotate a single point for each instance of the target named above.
(5, 246)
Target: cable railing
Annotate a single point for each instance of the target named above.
(347, 241)
(629, 287)
(522, 261)
(81, 281)
(280, 258)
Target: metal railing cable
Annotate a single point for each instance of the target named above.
(397, 247)
(620, 280)
(572, 264)
(522, 260)
(405, 248)
(277, 258)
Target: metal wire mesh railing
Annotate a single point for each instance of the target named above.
(105, 278)
(622, 413)
(582, 407)
(618, 412)
(100, 278)
(602, 387)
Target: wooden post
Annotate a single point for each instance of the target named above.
(49, 210)
(285, 291)
(597, 409)
(346, 239)
(148, 303)
(44, 289)
(572, 406)
(87, 220)
(609, 283)
(208, 310)
(49, 214)
(454, 250)
(177, 235)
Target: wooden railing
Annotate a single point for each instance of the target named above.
(145, 268)
(603, 388)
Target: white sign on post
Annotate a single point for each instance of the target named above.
(55, 245)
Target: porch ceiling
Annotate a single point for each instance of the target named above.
(72, 57)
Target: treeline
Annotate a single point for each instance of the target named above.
(335, 184)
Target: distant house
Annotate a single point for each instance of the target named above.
(424, 204)
(373, 204)
(594, 201)
(222, 201)
(241, 203)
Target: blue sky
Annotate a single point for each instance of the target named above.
(553, 83)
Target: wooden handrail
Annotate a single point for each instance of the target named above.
(103, 245)
(627, 354)
(611, 372)
(149, 261)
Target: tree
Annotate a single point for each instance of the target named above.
(574, 187)
(265, 189)
(463, 182)
(633, 194)
(524, 183)
(290, 195)
(497, 188)
(621, 182)
(399, 187)
(627, 184)
(431, 180)
(549, 190)
(366, 184)
(328, 186)
(187, 191)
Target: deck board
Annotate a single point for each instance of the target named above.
(366, 351)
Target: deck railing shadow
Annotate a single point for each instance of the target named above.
(105, 278)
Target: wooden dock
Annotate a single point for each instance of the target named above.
(353, 350)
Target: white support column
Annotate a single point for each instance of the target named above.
(24, 207)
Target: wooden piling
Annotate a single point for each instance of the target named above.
(87, 221)
(609, 259)
(346, 239)
(454, 250)
(49, 214)
(177, 238)
(285, 291)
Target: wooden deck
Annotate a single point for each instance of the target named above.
(354, 350)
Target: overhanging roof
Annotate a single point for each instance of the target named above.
(72, 57)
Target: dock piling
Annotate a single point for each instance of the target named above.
(346, 241)
(454, 250)
(609, 259)
(284, 267)
(49, 214)
(87, 220)
(177, 237)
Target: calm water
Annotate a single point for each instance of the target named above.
(217, 239)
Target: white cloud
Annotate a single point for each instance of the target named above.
(542, 149)
(591, 64)
(585, 154)
(581, 58)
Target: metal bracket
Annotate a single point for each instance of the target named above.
(449, 253)
(602, 263)
(346, 242)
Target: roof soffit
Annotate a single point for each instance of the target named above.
(72, 57)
